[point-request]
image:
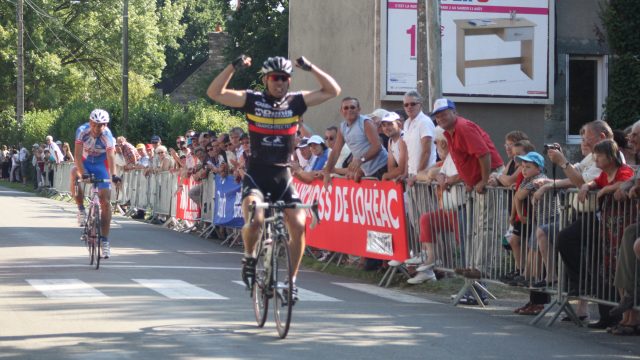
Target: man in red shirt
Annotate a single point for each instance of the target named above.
(475, 157)
(471, 148)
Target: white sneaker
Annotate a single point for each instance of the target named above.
(394, 263)
(106, 250)
(82, 218)
(422, 277)
(425, 267)
(416, 260)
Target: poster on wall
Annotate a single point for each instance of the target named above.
(495, 48)
(401, 46)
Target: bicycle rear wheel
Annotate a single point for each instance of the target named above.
(260, 291)
(90, 236)
(282, 271)
(98, 232)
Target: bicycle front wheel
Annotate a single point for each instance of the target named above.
(282, 271)
(260, 291)
(89, 235)
(98, 232)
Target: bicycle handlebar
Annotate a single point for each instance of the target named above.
(90, 178)
(315, 218)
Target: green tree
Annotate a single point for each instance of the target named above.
(200, 18)
(622, 27)
(259, 28)
(73, 51)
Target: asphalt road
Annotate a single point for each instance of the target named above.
(166, 295)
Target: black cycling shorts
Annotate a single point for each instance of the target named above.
(276, 181)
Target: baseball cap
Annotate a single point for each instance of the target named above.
(58, 142)
(380, 113)
(155, 139)
(304, 142)
(149, 146)
(391, 117)
(532, 157)
(36, 145)
(140, 146)
(441, 105)
(315, 139)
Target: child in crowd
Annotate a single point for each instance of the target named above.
(518, 148)
(531, 167)
(49, 164)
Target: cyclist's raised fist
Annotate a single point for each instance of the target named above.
(303, 63)
(241, 62)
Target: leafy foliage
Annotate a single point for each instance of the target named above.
(153, 115)
(73, 50)
(192, 49)
(259, 29)
(622, 25)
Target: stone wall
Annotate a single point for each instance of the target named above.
(192, 88)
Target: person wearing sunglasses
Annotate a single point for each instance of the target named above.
(273, 116)
(358, 132)
(418, 135)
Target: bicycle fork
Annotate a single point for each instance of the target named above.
(268, 283)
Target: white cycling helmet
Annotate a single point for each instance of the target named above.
(99, 116)
(277, 64)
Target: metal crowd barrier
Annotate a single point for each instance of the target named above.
(470, 233)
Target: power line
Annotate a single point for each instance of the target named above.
(40, 13)
(43, 13)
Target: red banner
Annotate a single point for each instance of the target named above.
(186, 209)
(363, 219)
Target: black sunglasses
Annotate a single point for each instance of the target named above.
(410, 104)
(278, 77)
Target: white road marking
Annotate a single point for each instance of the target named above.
(65, 288)
(308, 295)
(178, 289)
(111, 265)
(386, 293)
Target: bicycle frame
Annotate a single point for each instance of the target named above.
(92, 231)
(274, 280)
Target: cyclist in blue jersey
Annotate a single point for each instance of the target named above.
(94, 154)
(273, 117)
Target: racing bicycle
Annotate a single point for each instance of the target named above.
(92, 231)
(273, 268)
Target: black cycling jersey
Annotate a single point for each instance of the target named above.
(272, 126)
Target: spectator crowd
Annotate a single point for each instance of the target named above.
(442, 148)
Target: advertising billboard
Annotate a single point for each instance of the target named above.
(495, 49)
(400, 42)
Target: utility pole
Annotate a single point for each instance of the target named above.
(20, 75)
(125, 66)
(434, 50)
(422, 58)
(429, 51)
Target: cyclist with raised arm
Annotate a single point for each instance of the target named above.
(94, 155)
(273, 117)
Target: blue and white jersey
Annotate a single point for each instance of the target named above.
(92, 146)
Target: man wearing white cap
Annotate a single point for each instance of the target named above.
(418, 134)
(376, 116)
